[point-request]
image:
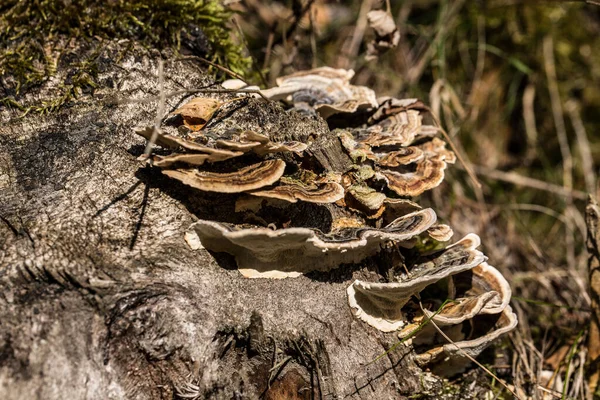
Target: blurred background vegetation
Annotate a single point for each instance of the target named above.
(516, 84)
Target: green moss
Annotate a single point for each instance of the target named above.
(36, 37)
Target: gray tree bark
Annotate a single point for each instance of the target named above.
(103, 299)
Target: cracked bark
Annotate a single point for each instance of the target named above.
(592, 219)
(101, 297)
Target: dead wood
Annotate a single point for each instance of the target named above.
(593, 247)
(103, 299)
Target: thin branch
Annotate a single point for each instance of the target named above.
(587, 161)
(557, 112)
(520, 180)
(357, 35)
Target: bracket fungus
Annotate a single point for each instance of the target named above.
(290, 252)
(380, 304)
(314, 201)
(326, 89)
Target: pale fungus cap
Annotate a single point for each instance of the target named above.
(290, 252)
(326, 89)
(440, 232)
(380, 304)
(451, 358)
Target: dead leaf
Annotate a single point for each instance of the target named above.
(197, 112)
(387, 35)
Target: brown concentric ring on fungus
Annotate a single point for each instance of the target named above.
(427, 131)
(428, 174)
(248, 178)
(328, 192)
(440, 232)
(380, 304)
(403, 156)
(290, 252)
(437, 147)
(390, 106)
(397, 129)
(236, 146)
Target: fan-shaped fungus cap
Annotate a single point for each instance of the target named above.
(251, 177)
(437, 148)
(266, 253)
(397, 129)
(326, 89)
(403, 156)
(292, 191)
(428, 174)
(482, 279)
(440, 232)
(364, 198)
(481, 290)
(266, 146)
(484, 330)
(395, 207)
(380, 304)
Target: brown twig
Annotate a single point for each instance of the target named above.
(520, 180)
(357, 35)
(561, 134)
(557, 112)
(587, 161)
(529, 118)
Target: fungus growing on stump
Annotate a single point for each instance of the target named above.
(323, 200)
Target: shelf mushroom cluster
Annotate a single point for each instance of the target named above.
(442, 292)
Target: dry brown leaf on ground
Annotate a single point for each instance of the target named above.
(197, 112)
